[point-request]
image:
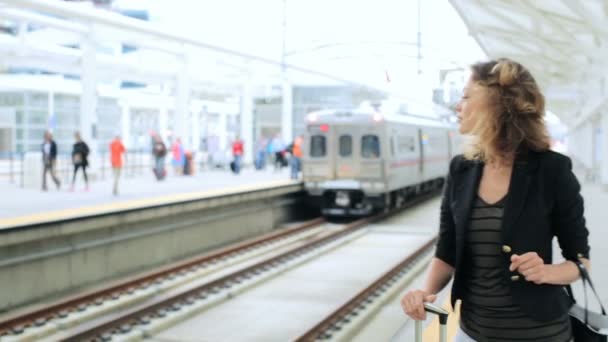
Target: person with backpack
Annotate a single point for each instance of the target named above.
(49, 159)
(159, 150)
(80, 154)
(296, 157)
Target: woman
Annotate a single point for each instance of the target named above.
(80, 154)
(504, 200)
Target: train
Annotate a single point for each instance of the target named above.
(359, 161)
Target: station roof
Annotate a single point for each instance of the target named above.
(564, 43)
(345, 42)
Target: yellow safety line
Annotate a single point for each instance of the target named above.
(105, 208)
(431, 333)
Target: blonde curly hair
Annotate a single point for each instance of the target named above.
(515, 120)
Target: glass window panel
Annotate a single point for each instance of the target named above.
(346, 146)
(37, 99)
(37, 117)
(318, 146)
(370, 146)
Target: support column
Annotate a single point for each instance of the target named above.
(222, 135)
(604, 149)
(196, 130)
(88, 98)
(247, 122)
(162, 123)
(125, 125)
(182, 105)
(52, 118)
(287, 112)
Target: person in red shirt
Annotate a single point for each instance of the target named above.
(237, 152)
(296, 157)
(117, 150)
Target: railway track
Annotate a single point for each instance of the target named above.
(346, 320)
(150, 310)
(51, 318)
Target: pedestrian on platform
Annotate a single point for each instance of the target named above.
(159, 151)
(278, 150)
(296, 157)
(504, 201)
(177, 151)
(49, 160)
(237, 154)
(260, 153)
(117, 151)
(80, 159)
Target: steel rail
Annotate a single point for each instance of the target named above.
(319, 331)
(160, 306)
(43, 314)
(185, 297)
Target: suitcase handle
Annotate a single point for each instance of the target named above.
(443, 321)
(442, 313)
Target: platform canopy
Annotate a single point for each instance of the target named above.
(382, 45)
(563, 42)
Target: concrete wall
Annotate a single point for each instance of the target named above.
(48, 262)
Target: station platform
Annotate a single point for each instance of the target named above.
(32, 205)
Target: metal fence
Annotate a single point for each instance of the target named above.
(137, 162)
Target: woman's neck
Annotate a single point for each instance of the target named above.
(500, 163)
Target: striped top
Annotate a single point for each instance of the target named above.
(488, 311)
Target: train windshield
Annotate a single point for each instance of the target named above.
(370, 146)
(318, 146)
(346, 146)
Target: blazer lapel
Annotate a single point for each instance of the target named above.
(464, 197)
(517, 195)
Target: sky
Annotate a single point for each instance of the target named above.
(372, 42)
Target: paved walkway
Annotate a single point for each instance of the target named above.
(19, 202)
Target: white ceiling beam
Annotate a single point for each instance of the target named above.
(21, 15)
(564, 45)
(539, 16)
(459, 7)
(96, 17)
(593, 107)
(598, 26)
(545, 46)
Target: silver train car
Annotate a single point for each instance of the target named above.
(356, 162)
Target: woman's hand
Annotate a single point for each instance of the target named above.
(413, 303)
(531, 266)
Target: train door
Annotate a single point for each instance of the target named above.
(372, 158)
(345, 161)
(421, 156)
(318, 153)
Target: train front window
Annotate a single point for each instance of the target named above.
(370, 146)
(346, 146)
(317, 146)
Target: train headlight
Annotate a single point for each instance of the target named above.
(342, 199)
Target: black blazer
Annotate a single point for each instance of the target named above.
(83, 149)
(543, 201)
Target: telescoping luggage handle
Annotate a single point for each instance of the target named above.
(443, 321)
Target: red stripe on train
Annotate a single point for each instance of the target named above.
(410, 162)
